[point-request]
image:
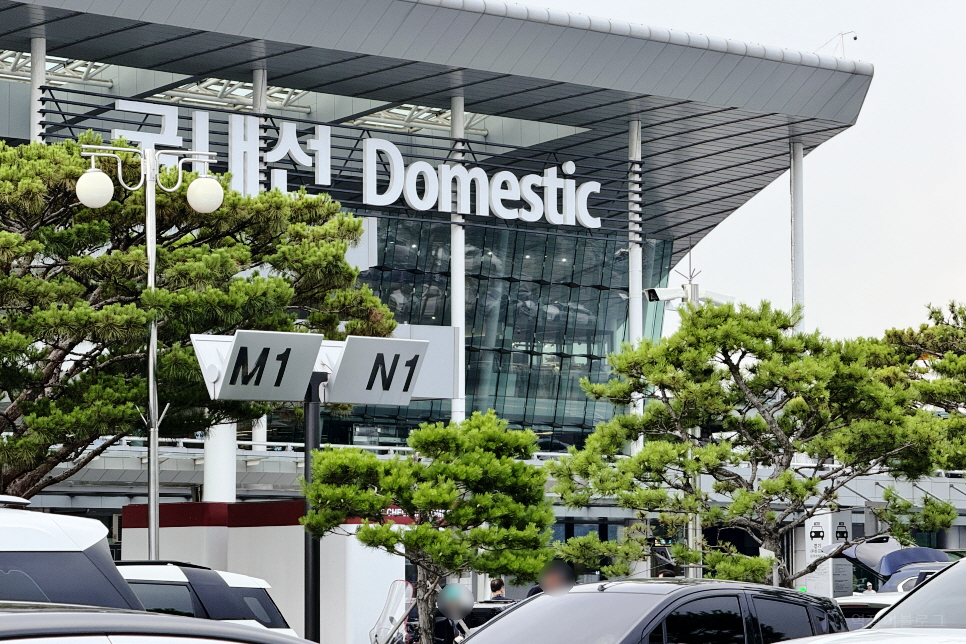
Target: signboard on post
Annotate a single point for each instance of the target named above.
(377, 371)
(257, 365)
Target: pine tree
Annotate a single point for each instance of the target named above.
(935, 354)
(780, 421)
(74, 308)
(471, 500)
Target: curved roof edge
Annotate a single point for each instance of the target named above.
(657, 34)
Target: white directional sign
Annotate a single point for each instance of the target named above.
(257, 365)
(377, 371)
(276, 366)
(440, 376)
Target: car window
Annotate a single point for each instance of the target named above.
(172, 599)
(707, 620)
(262, 607)
(780, 621)
(820, 621)
(907, 585)
(589, 618)
(62, 577)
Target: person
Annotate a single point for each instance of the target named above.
(556, 578)
(498, 590)
(666, 573)
(868, 589)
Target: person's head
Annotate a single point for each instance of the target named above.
(868, 585)
(556, 578)
(497, 587)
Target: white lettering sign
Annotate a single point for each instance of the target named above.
(448, 187)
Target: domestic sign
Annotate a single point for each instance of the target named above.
(258, 365)
(449, 186)
(377, 371)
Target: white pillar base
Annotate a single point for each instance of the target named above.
(220, 465)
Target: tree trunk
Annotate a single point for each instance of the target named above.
(773, 544)
(426, 592)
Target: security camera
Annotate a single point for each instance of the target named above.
(664, 294)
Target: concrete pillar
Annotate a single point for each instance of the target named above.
(260, 433)
(457, 265)
(220, 467)
(38, 78)
(798, 227)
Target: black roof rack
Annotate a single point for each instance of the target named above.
(159, 562)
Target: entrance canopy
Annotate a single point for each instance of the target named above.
(717, 115)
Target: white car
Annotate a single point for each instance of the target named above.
(56, 558)
(934, 612)
(177, 588)
(861, 608)
(26, 623)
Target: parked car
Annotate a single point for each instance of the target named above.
(932, 612)
(57, 558)
(911, 575)
(30, 623)
(179, 588)
(672, 611)
(861, 608)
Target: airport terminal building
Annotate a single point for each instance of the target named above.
(673, 131)
(523, 173)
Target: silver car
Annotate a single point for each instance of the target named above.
(35, 623)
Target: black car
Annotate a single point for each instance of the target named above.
(672, 611)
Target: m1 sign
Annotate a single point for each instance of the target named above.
(257, 365)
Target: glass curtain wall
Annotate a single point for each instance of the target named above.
(542, 312)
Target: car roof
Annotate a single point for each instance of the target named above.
(27, 620)
(29, 531)
(172, 571)
(681, 585)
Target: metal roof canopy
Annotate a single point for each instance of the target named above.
(717, 115)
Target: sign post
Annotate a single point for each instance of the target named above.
(313, 440)
(274, 366)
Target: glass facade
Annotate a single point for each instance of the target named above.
(542, 312)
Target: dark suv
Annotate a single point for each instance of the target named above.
(664, 612)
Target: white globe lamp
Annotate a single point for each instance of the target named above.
(95, 189)
(205, 195)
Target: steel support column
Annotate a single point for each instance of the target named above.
(457, 267)
(38, 78)
(635, 246)
(796, 153)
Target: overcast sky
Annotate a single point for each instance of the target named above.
(884, 213)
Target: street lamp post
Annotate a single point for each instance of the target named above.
(95, 189)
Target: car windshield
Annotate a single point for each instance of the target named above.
(580, 618)
(936, 604)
